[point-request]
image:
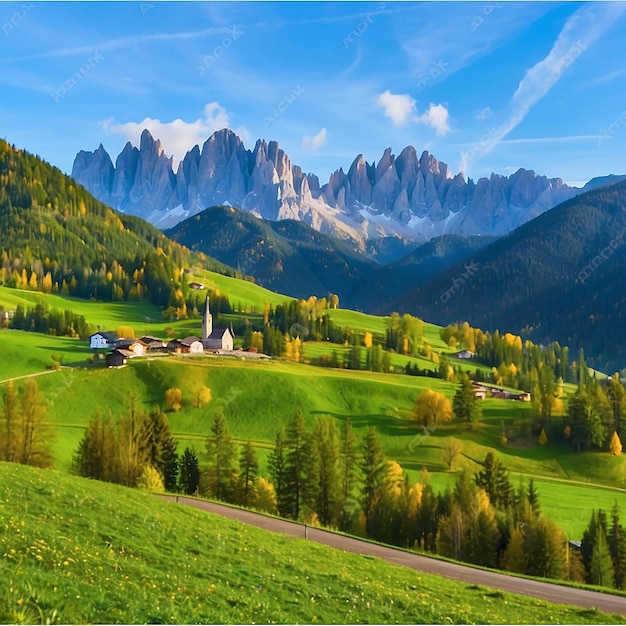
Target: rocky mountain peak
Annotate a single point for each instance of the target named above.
(407, 196)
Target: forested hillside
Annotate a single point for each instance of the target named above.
(54, 236)
(556, 278)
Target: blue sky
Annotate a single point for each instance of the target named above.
(484, 86)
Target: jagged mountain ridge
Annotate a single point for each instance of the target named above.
(413, 197)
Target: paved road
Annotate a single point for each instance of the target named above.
(545, 591)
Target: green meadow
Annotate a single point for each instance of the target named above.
(257, 398)
(76, 551)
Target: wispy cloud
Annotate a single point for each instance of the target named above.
(177, 136)
(580, 31)
(310, 144)
(121, 42)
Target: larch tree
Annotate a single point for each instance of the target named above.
(161, 447)
(173, 399)
(296, 464)
(375, 470)
(9, 424)
(96, 456)
(494, 479)
(431, 408)
(326, 440)
(616, 445)
(35, 437)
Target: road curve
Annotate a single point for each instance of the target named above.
(543, 590)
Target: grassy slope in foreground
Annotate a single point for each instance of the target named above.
(77, 551)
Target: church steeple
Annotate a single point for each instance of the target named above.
(207, 322)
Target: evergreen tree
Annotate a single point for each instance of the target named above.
(132, 446)
(533, 498)
(374, 468)
(189, 472)
(219, 480)
(465, 403)
(277, 466)
(601, 571)
(96, 455)
(545, 549)
(161, 448)
(616, 395)
(329, 495)
(494, 479)
(617, 548)
(248, 473)
(295, 464)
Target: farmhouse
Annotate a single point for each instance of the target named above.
(188, 345)
(102, 340)
(118, 357)
(136, 346)
(464, 354)
(216, 339)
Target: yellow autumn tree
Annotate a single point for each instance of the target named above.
(203, 396)
(173, 399)
(615, 445)
(431, 408)
(367, 339)
(543, 438)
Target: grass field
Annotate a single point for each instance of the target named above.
(81, 552)
(257, 398)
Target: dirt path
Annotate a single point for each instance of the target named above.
(543, 590)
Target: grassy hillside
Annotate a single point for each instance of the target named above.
(80, 552)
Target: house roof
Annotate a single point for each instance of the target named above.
(149, 339)
(218, 333)
(108, 335)
(187, 341)
(125, 353)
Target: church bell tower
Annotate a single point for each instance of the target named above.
(207, 322)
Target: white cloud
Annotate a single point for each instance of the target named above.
(309, 144)
(178, 136)
(437, 117)
(400, 108)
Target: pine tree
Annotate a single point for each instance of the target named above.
(617, 548)
(465, 403)
(494, 479)
(189, 472)
(96, 455)
(533, 498)
(295, 465)
(220, 475)
(277, 466)
(374, 468)
(544, 547)
(326, 441)
(248, 472)
(601, 571)
(161, 448)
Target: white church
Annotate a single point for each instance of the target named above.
(214, 338)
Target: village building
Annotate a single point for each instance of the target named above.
(464, 354)
(136, 346)
(214, 339)
(118, 357)
(188, 345)
(103, 340)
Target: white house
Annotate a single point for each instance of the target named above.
(102, 340)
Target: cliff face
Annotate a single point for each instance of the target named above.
(414, 197)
